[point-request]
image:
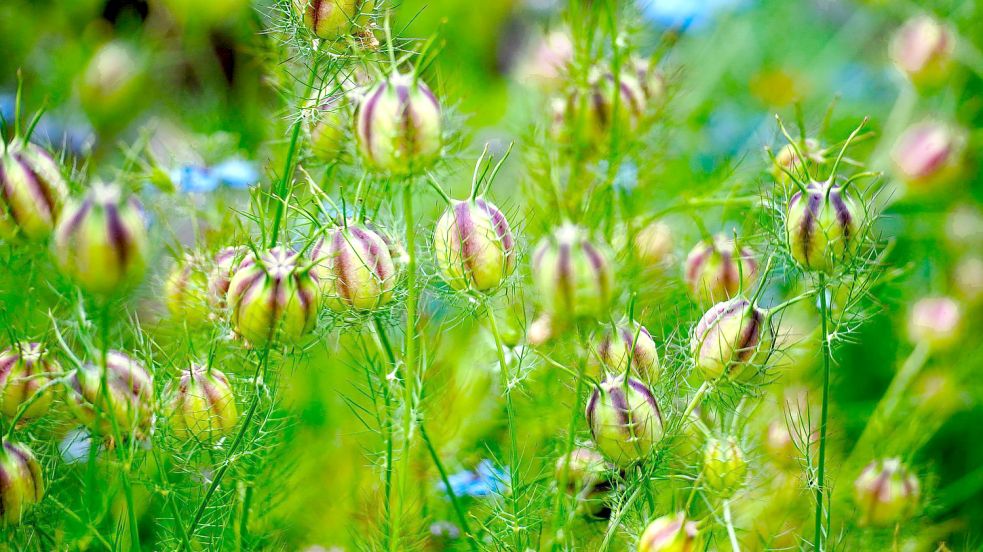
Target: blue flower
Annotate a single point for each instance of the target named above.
(234, 173)
(485, 480)
(689, 14)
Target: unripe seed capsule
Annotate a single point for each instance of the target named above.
(332, 19)
(886, 492)
(922, 49)
(730, 341)
(203, 407)
(328, 118)
(928, 155)
(474, 246)
(789, 160)
(673, 533)
(115, 396)
(624, 419)
(356, 268)
(822, 226)
(24, 369)
(111, 88)
(398, 125)
(32, 191)
(21, 482)
(572, 275)
(186, 292)
(724, 466)
(589, 117)
(632, 348)
(715, 271)
(935, 321)
(653, 244)
(650, 79)
(220, 275)
(586, 478)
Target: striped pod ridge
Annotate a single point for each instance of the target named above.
(203, 406)
(356, 268)
(650, 79)
(24, 370)
(21, 482)
(186, 292)
(715, 271)
(474, 245)
(272, 297)
(572, 276)
(101, 241)
(821, 226)
(220, 274)
(398, 125)
(624, 419)
(32, 191)
(731, 340)
(607, 103)
(629, 347)
(117, 396)
(928, 154)
(332, 19)
(673, 533)
(886, 492)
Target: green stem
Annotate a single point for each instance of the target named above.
(458, 510)
(731, 534)
(615, 522)
(382, 340)
(824, 416)
(695, 401)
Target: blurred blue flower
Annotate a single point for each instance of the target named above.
(236, 173)
(233, 173)
(55, 132)
(485, 480)
(687, 14)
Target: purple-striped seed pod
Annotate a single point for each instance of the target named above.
(724, 466)
(21, 482)
(886, 492)
(673, 533)
(822, 226)
(273, 297)
(653, 244)
(627, 347)
(117, 396)
(624, 419)
(398, 125)
(572, 275)
(101, 240)
(332, 19)
(25, 369)
(928, 155)
(474, 246)
(220, 275)
(922, 49)
(586, 475)
(186, 292)
(32, 191)
(651, 80)
(714, 270)
(356, 268)
(731, 340)
(203, 406)
(935, 322)
(588, 117)
(111, 89)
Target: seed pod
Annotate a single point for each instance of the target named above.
(115, 396)
(928, 155)
(220, 275)
(714, 271)
(572, 276)
(355, 268)
(589, 117)
(203, 407)
(886, 492)
(822, 226)
(186, 292)
(111, 88)
(624, 419)
(653, 244)
(328, 117)
(548, 62)
(586, 475)
(922, 49)
(101, 241)
(398, 125)
(21, 482)
(650, 79)
(540, 331)
(272, 297)
(672, 533)
(632, 348)
(474, 246)
(731, 340)
(32, 191)
(332, 19)
(724, 466)
(24, 369)
(789, 160)
(936, 322)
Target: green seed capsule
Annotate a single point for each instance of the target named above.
(21, 482)
(332, 19)
(822, 226)
(586, 476)
(117, 396)
(624, 419)
(886, 492)
(24, 370)
(731, 340)
(398, 125)
(186, 292)
(724, 466)
(203, 407)
(32, 191)
(356, 268)
(572, 276)
(627, 347)
(674, 533)
(474, 246)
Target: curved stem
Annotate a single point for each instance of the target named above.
(821, 475)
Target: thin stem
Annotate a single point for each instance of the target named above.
(615, 522)
(382, 340)
(728, 519)
(695, 401)
(447, 485)
(820, 480)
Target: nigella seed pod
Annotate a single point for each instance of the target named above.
(650, 79)
(724, 466)
(674, 533)
(332, 19)
(624, 419)
(220, 275)
(25, 369)
(21, 482)
(32, 191)
(203, 407)
(328, 117)
(101, 240)
(731, 340)
(474, 246)
(111, 397)
(928, 155)
(715, 270)
(936, 322)
(652, 246)
(586, 476)
(787, 159)
(922, 49)
(186, 292)
(272, 297)
(572, 275)
(111, 88)
(628, 347)
(886, 492)
(822, 226)
(356, 268)
(398, 125)
(608, 103)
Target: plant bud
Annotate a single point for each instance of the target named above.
(398, 125)
(672, 533)
(922, 49)
(789, 160)
(186, 292)
(715, 271)
(587, 478)
(967, 279)
(886, 492)
(632, 348)
(474, 246)
(572, 276)
(328, 119)
(21, 482)
(624, 419)
(101, 241)
(332, 19)
(112, 85)
(651, 80)
(653, 244)
(724, 466)
(540, 331)
(32, 191)
(935, 321)
(272, 297)
(203, 407)
(589, 117)
(928, 155)
(24, 369)
(117, 396)
(355, 268)
(730, 341)
(822, 226)
(220, 275)
(548, 62)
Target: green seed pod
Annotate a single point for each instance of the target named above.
(788, 159)
(651, 80)
(586, 475)
(328, 118)
(724, 466)
(101, 241)
(936, 322)
(731, 340)
(32, 191)
(356, 268)
(672, 533)
(203, 407)
(653, 244)
(624, 419)
(588, 117)
(332, 19)
(886, 492)
(572, 276)
(21, 482)
(111, 88)
(24, 369)
(715, 271)
(929, 155)
(630, 348)
(822, 226)
(273, 297)
(220, 274)
(398, 125)
(116, 396)
(474, 246)
(923, 50)
(186, 292)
